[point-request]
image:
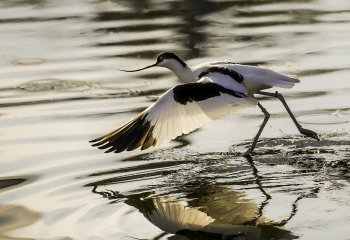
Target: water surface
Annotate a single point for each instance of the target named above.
(60, 88)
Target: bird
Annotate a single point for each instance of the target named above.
(207, 92)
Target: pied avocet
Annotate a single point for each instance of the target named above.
(210, 91)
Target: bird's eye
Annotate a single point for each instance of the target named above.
(160, 59)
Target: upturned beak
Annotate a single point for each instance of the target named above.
(136, 70)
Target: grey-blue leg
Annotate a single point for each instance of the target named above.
(304, 131)
(256, 138)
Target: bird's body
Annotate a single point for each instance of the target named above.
(254, 78)
(210, 91)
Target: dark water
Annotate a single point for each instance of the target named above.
(59, 88)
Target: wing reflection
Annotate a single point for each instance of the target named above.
(197, 196)
(173, 216)
(209, 212)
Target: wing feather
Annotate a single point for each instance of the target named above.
(169, 118)
(163, 121)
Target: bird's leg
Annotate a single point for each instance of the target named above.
(304, 131)
(266, 118)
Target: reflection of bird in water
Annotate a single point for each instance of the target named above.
(210, 91)
(217, 213)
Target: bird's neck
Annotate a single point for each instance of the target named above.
(183, 73)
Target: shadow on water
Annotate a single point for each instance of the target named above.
(9, 183)
(191, 23)
(13, 217)
(188, 22)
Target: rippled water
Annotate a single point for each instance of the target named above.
(60, 87)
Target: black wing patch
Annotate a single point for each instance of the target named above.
(200, 91)
(224, 70)
(134, 134)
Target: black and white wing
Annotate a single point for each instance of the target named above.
(180, 110)
(229, 80)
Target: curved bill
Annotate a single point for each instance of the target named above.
(136, 70)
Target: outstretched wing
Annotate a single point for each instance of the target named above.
(178, 111)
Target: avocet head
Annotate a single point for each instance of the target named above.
(167, 59)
